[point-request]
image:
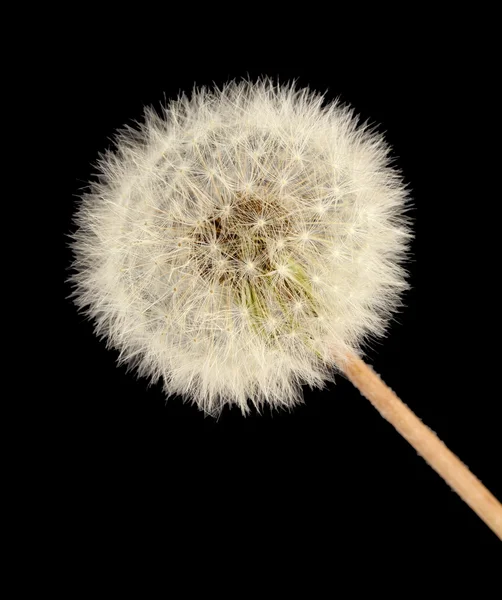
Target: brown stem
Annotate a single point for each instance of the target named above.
(425, 442)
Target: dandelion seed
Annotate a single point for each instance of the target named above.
(256, 237)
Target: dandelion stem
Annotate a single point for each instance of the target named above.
(425, 442)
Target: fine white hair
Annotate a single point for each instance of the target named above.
(236, 242)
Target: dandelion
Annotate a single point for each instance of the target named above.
(245, 241)
(234, 199)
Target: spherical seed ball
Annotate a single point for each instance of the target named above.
(234, 244)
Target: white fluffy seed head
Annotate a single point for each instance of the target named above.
(234, 244)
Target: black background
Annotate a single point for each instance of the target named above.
(330, 476)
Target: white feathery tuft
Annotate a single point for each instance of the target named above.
(235, 243)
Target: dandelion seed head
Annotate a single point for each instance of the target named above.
(234, 236)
